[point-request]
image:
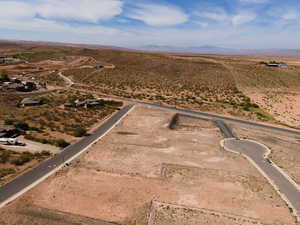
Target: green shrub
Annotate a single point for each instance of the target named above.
(9, 122)
(41, 140)
(61, 143)
(5, 172)
(79, 132)
(4, 156)
(25, 157)
(22, 125)
(45, 153)
(4, 76)
(42, 154)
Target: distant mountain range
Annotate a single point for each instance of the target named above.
(205, 49)
(46, 43)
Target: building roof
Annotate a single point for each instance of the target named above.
(27, 101)
(15, 86)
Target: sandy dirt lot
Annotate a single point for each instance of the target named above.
(162, 213)
(142, 160)
(285, 150)
(284, 105)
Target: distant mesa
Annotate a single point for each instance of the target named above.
(215, 50)
(202, 49)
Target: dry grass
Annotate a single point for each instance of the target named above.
(154, 76)
(201, 82)
(51, 119)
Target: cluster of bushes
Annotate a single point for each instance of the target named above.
(79, 132)
(4, 76)
(61, 143)
(36, 55)
(247, 106)
(20, 159)
(5, 172)
(4, 156)
(21, 126)
(25, 157)
(112, 103)
(58, 142)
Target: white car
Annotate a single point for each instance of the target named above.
(11, 141)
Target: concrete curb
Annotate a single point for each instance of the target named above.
(266, 154)
(2, 204)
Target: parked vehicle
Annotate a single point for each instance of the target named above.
(11, 141)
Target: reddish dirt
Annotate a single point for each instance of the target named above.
(143, 160)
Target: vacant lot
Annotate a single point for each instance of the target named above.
(143, 160)
(285, 150)
(162, 213)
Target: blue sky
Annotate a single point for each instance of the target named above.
(135, 23)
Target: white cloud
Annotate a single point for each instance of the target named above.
(242, 18)
(202, 24)
(216, 14)
(15, 10)
(219, 15)
(158, 15)
(290, 15)
(83, 10)
(284, 13)
(255, 1)
(43, 25)
(19, 16)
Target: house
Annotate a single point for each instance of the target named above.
(277, 64)
(283, 65)
(8, 60)
(31, 102)
(85, 103)
(8, 131)
(15, 86)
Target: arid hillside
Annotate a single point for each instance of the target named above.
(237, 85)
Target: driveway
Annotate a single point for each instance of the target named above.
(257, 154)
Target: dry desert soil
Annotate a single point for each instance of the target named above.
(147, 171)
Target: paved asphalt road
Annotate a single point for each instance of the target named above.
(283, 131)
(224, 129)
(288, 132)
(256, 152)
(40, 172)
(24, 181)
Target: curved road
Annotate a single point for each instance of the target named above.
(257, 155)
(254, 152)
(288, 132)
(283, 131)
